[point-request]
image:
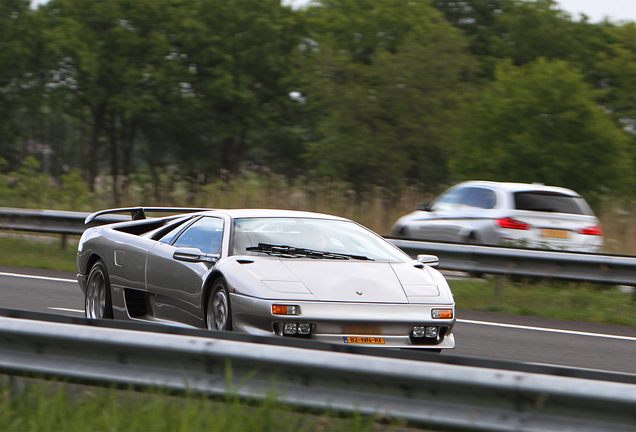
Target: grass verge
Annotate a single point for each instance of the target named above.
(36, 405)
(549, 299)
(43, 253)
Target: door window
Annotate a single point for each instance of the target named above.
(206, 234)
(167, 234)
(448, 200)
(477, 197)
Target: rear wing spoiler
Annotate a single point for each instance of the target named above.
(140, 212)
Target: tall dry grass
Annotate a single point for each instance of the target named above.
(375, 209)
(618, 218)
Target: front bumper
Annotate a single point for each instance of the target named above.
(335, 322)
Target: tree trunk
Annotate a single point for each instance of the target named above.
(129, 131)
(114, 163)
(93, 167)
(233, 151)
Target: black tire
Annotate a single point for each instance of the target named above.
(218, 314)
(98, 303)
(404, 232)
(473, 239)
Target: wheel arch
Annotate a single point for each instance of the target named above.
(207, 288)
(90, 262)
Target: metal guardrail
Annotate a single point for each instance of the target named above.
(50, 221)
(575, 266)
(425, 393)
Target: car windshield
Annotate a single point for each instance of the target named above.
(310, 238)
(551, 202)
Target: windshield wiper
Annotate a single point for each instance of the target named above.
(294, 252)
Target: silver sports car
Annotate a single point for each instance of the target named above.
(265, 272)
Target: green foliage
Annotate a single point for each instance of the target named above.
(73, 192)
(525, 31)
(616, 66)
(541, 122)
(112, 69)
(387, 92)
(383, 79)
(44, 253)
(30, 187)
(547, 299)
(14, 64)
(237, 58)
(42, 405)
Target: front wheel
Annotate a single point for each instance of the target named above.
(218, 315)
(98, 302)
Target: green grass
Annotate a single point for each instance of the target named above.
(548, 299)
(20, 251)
(36, 405)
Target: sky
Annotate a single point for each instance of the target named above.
(596, 10)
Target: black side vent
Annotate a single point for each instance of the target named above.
(137, 303)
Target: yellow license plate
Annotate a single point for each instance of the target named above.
(363, 340)
(556, 233)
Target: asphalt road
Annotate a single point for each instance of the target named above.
(478, 334)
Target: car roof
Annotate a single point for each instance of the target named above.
(270, 213)
(519, 187)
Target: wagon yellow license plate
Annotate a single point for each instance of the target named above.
(363, 340)
(556, 233)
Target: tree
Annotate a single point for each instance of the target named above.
(523, 31)
(615, 68)
(381, 82)
(111, 68)
(477, 18)
(237, 58)
(14, 70)
(541, 122)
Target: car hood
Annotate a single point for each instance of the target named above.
(348, 281)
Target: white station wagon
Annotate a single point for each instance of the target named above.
(509, 214)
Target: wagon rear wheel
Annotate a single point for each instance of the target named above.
(98, 302)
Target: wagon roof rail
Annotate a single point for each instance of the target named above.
(140, 212)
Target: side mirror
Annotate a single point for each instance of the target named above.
(194, 255)
(423, 206)
(430, 260)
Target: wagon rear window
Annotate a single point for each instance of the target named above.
(551, 202)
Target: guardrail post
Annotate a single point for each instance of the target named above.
(64, 239)
(499, 287)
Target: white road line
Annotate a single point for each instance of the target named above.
(548, 330)
(38, 277)
(486, 323)
(66, 309)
